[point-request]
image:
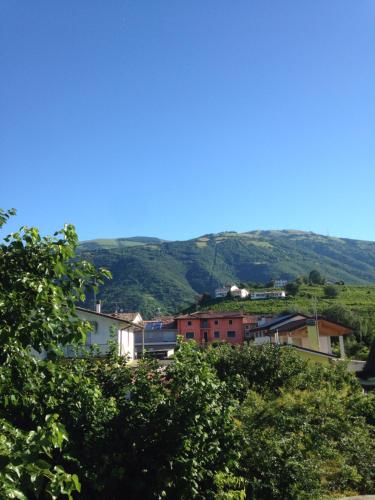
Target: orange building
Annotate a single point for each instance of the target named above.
(207, 327)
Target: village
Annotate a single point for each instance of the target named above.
(312, 337)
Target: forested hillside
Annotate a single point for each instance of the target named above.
(150, 274)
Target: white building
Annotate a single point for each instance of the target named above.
(220, 293)
(131, 317)
(106, 328)
(242, 293)
(274, 294)
(280, 283)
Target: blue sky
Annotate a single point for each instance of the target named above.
(175, 119)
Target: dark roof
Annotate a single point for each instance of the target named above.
(294, 325)
(166, 323)
(280, 319)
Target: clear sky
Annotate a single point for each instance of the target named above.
(178, 118)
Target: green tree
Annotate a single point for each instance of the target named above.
(316, 278)
(330, 292)
(292, 288)
(40, 281)
(301, 445)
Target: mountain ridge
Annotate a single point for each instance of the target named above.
(150, 274)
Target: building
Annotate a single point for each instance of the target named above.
(250, 322)
(273, 294)
(280, 283)
(105, 328)
(132, 317)
(304, 332)
(158, 337)
(207, 327)
(234, 291)
(221, 293)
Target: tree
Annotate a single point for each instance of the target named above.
(40, 282)
(292, 288)
(301, 444)
(330, 292)
(316, 278)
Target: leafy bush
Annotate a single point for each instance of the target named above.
(330, 292)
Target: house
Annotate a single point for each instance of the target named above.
(234, 291)
(220, 293)
(304, 332)
(158, 337)
(132, 317)
(241, 293)
(280, 283)
(250, 322)
(105, 328)
(207, 327)
(273, 294)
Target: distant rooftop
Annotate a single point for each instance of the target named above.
(127, 316)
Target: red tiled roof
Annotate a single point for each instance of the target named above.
(212, 315)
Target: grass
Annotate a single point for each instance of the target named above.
(359, 299)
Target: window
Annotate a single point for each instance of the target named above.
(230, 321)
(189, 335)
(216, 321)
(216, 335)
(231, 334)
(189, 323)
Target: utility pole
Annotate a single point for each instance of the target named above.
(316, 319)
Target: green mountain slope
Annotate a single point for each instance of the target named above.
(118, 243)
(151, 274)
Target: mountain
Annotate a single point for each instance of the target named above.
(150, 274)
(118, 243)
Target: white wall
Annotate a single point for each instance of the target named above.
(325, 344)
(106, 329)
(126, 343)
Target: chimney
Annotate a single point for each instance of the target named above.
(98, 306)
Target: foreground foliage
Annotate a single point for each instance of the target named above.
(224, 423)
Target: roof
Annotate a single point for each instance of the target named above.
(110, 316)
(280, 319)
(319, 353)
(127, 316)
(290, 326)
(166, 323)
(251, 319)
(211, 315)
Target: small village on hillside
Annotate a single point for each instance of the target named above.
(313, 337)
